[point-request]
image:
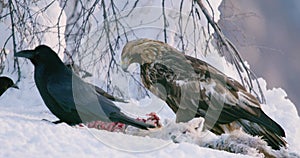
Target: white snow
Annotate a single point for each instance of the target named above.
(23, 134)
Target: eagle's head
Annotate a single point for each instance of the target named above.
(141, 51)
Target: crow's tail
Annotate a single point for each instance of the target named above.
(122, 118)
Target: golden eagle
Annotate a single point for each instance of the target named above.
(193, 88)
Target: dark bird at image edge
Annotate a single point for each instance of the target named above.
(6, 83)
(68, 97)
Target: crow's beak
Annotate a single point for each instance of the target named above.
(29, 54)
(15, 86)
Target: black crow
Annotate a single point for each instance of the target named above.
(67, 96)
(6, 83)
(193, 88)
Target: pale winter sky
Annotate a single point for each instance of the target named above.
(267, 33)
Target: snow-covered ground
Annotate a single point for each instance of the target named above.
(24, 134)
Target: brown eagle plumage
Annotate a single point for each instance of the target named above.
(193, 88)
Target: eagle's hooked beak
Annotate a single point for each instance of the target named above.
(124, 64)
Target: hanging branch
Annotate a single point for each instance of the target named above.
(165, 21)
(16, 62)
(234, 54)
(180, 26)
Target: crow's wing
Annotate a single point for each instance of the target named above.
(89, 104)
(59, 87)
(71, 93)
(92, 106)
(107, 95)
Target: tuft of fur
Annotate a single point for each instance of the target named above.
(194, 132)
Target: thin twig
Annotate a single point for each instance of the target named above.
(16, 62)
(165, 21)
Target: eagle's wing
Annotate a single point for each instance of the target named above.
(237, 102)
(198, 89)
